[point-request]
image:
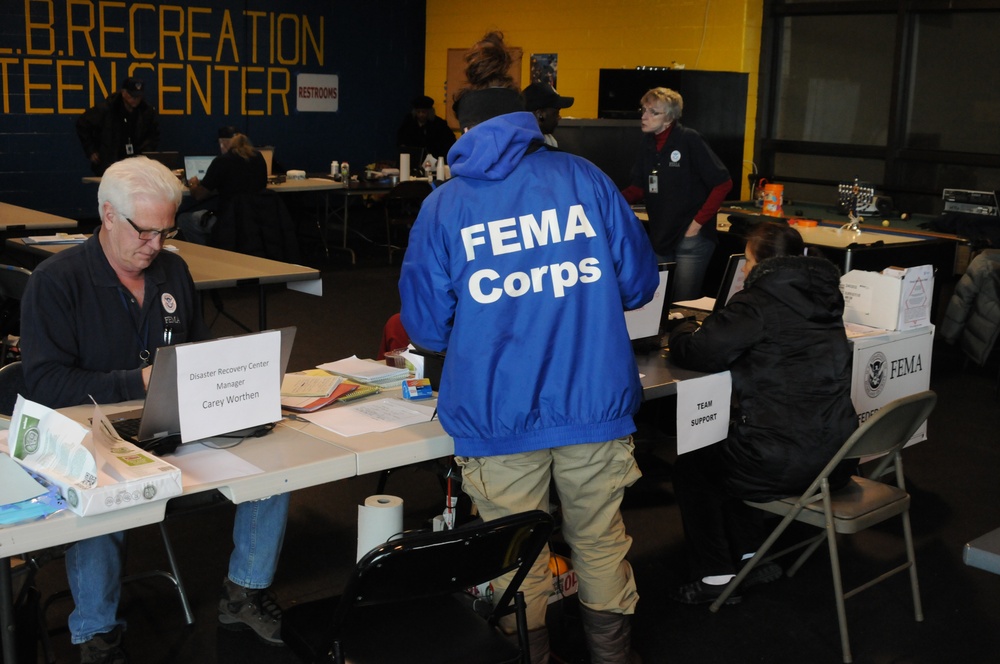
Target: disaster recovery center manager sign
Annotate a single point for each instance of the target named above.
(317, 93)
(228, 384)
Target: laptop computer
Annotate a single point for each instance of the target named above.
(196, 167)
(159, 419)
(171, 160)
(644, 323)
(732, 280)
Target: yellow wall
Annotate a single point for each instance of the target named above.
(590, 35)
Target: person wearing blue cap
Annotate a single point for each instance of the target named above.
(124, 125)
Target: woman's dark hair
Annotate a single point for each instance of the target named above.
(487, 64)
(768, 240)
(491, 90)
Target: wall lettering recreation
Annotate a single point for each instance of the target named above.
(196, 60)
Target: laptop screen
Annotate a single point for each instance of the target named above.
(732, 281)
(171, 160)
(645, 321)
(196, 167)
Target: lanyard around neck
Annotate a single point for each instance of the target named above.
(142, 337)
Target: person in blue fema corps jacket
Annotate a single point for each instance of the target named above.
(520, 268)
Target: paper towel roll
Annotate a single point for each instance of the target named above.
(404, 166)
(379, 518)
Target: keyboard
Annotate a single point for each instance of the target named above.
(127, 428)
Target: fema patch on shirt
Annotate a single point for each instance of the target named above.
(169, 303)
(675, 158)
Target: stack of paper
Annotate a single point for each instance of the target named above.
(370, 372)
(58, 238)
(309, 384)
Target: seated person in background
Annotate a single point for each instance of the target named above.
(544, 102)
(92, 319)
(239, 169)
(783, 339)
(423, 130)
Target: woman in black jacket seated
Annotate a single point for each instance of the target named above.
(783, 339)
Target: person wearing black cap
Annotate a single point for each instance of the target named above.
(423, 133)
(543, 100)
(123, 126)
(520, 265)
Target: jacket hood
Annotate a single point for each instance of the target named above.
(809, 285)
(492, 149)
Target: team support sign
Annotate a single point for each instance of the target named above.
(217, 58)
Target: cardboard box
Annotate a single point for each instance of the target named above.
(895, 299)
(129, 476)
(96, 471)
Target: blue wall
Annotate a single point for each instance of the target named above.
(53, 66)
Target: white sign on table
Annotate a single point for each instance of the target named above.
(228, 384)
(703, 411)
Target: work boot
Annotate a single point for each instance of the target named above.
(248, 608)
(538, 643)
(104, 649)
(608, 636)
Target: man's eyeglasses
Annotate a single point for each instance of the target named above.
(650, 111)
(148, 234)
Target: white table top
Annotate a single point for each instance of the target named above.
(376, 452)
(295, 455)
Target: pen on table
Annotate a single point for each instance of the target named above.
(434, 414)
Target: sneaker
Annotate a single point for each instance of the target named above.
(104, 649)
(699, 592)
(246, 608)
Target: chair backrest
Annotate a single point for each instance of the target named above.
(258, 224)
(434, 564)
(883, 434)
(13, 281)
(11, 384)
(891, 427)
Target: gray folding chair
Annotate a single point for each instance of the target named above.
(850, 509)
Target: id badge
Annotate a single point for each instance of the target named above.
(654, 183)
(129, 150)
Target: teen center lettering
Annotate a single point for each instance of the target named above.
(506, 236)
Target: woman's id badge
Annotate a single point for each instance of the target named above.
(654, 183)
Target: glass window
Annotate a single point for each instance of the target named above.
(836, 79)
(955, 108)
(821, 167)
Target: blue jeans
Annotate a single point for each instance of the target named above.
(692, 256)
(94, 566)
